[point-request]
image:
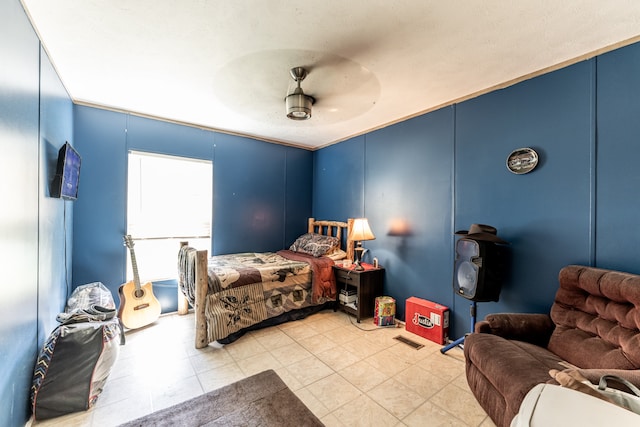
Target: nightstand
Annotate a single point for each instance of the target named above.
(367, 285)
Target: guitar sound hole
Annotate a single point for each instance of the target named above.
(138, 293)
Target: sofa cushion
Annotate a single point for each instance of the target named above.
(528, 327)
(500, 372)
(597, 317)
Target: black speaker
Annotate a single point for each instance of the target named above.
(478, 270)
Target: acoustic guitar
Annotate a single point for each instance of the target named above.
(138, 306)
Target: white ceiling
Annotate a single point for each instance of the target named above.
(224, 64)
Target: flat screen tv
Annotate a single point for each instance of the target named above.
(65, 182)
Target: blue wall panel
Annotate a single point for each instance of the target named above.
(160, 137)
(618, 235)
(338, 181)
(545, 214)
(249, 198)
(408, 187)
(19, 191)
(299, 180)
(99, 212)
(56, 215)
(35, 119)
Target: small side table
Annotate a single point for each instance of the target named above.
(367, 284)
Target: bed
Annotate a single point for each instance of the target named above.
(235, 293)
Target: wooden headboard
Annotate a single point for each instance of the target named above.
(334, 229)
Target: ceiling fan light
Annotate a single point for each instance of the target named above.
(299, 106)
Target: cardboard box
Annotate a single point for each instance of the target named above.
(427, 319)
(347, 299)
(348, 296)
(385, 311)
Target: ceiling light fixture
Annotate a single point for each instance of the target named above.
(298, 104)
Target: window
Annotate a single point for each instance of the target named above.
(169, 199)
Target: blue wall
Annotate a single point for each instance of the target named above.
(261, 191)
(618, 176)
(35, 249)
(445, 170)
(55, 225)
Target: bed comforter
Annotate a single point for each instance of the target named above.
(248, 288)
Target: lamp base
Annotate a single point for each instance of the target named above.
(358, 255)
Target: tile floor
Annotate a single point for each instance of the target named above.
(346, 375)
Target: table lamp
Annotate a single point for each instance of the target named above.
(359, 232)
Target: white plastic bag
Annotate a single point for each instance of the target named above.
(630, 401)
(549, 405)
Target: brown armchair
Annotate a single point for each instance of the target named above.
(594, 326)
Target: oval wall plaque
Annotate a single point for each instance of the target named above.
(522, 160)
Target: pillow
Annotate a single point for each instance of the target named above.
(337, 254)
(315, 244)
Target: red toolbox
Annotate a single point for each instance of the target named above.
(427, 319)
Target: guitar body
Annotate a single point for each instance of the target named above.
(138, 306)
(138, 309)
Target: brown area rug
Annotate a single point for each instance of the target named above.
(260, 400)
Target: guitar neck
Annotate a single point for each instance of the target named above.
(134, 267)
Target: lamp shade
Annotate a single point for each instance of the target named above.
(361, 230)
